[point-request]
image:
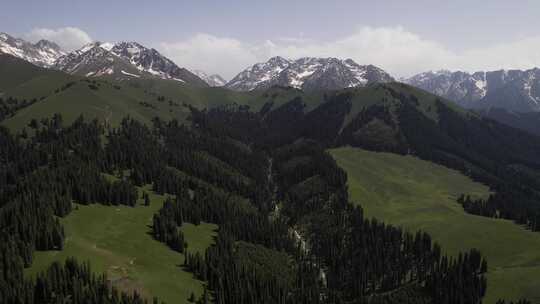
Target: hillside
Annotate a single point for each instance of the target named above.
(389, 117)
(142, 222)
(15, 72)
(415, 194)
(109, 100)
(529, 121)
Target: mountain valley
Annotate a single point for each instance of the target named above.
(311, 180)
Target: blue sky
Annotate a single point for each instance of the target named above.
(404, 37)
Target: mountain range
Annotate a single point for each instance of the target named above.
(309, 74)
(123, 60)
(43, 53)
(512, 90)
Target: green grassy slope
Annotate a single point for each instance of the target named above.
(115, 240)
(196, 96)
(415, 194)
(278, 96)
(379, 94)
(138, 99)
(41, 86)
(109, 104)
(15, 71)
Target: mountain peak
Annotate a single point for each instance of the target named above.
(48, 44)
(277, 59)
(307, 73)
(213, 80)
(131, 46)
(43, 53)
(4, 36)
(85, 48)
(124, 60)
(349, 61)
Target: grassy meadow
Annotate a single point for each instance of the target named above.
(416, 194)
(116, 240)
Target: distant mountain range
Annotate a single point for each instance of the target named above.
(43, 53)
(123, 60)
(514, 90)
(213, 80)
(309, 74)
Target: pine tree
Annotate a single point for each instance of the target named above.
(146, 199)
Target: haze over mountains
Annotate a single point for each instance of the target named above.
(513, 90)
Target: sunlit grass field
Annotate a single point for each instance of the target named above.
(416, 194)
(116, 241)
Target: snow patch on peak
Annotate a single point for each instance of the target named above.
(528, 84)
(481, 84)
(133, 50)
(107, 46)
(213, 80)
(298, 80)
(129, 74)
(87, 47)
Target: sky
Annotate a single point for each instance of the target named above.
(224, 37)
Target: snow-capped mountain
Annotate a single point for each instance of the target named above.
(151, 61)
(213, 80)
(124, 60)
(43, 53)
(458, 86)
(514, 90)
(95, 59)
(308, 74)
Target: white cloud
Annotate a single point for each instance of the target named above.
(68, 38)
(400, 52)
(211, 54)
(520, 54)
